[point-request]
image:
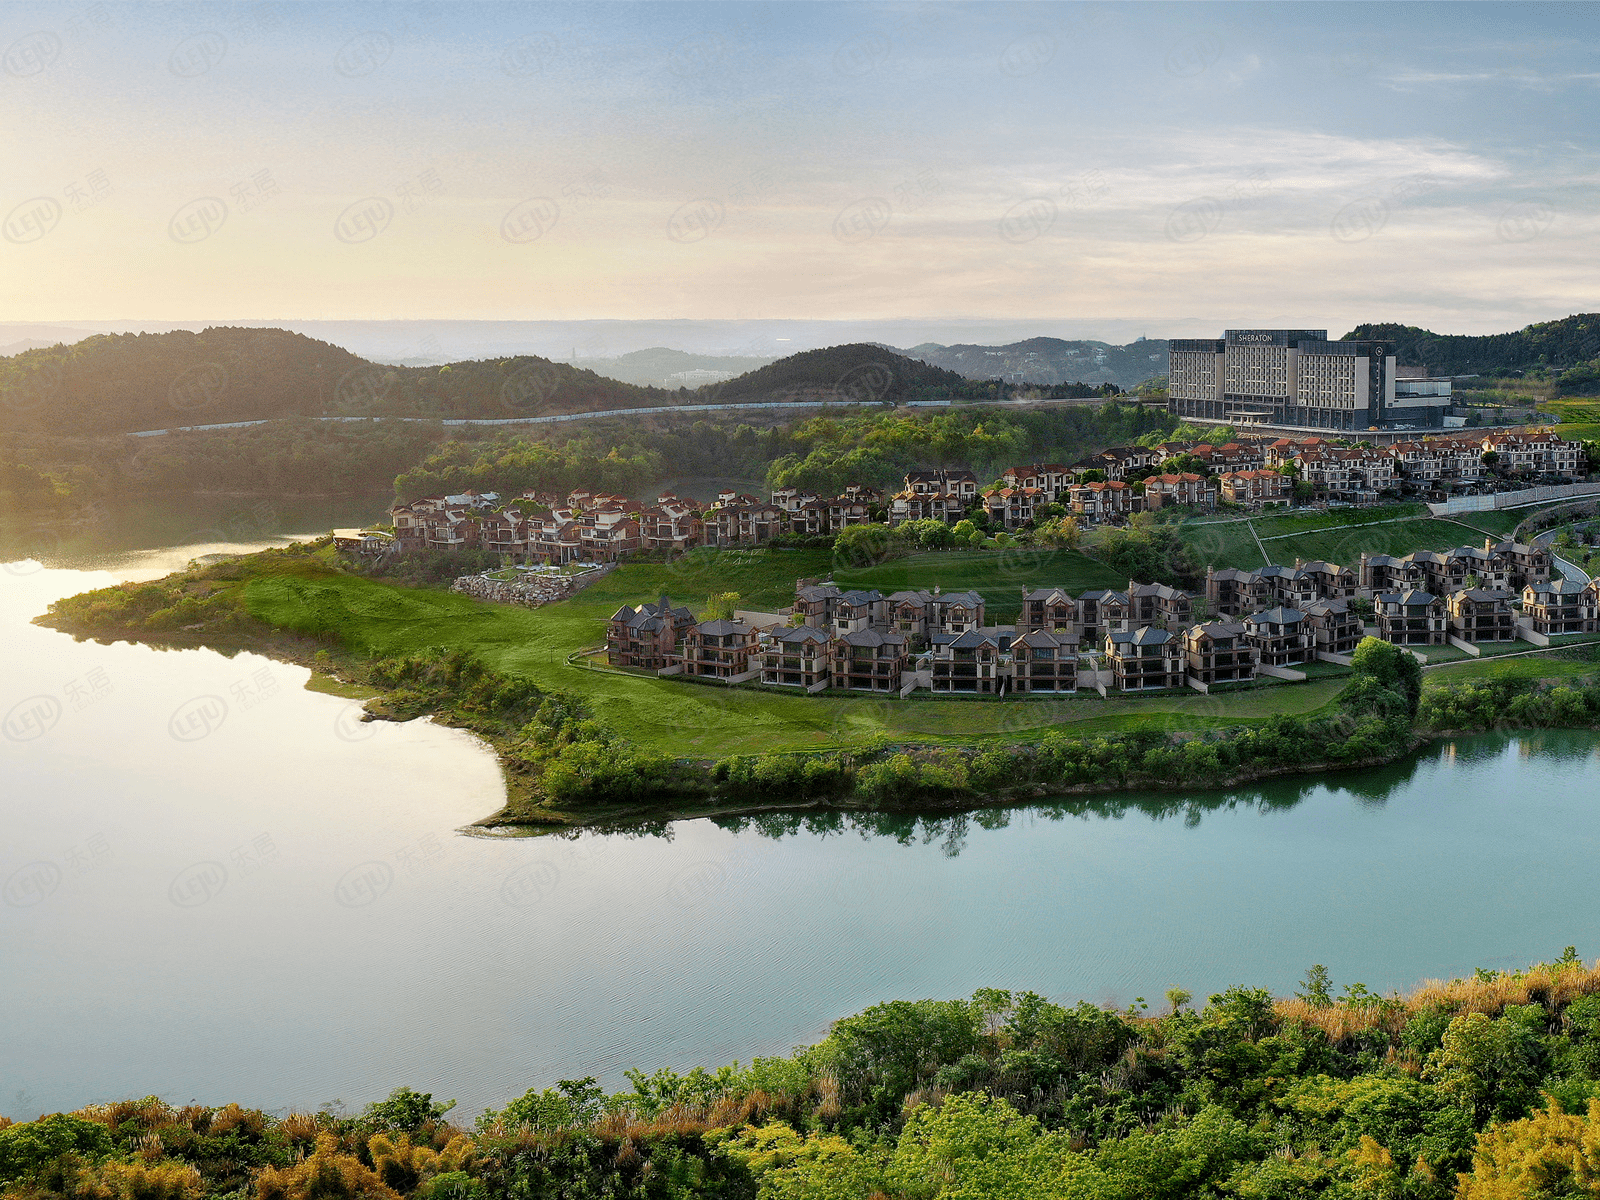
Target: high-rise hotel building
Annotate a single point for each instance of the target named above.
(1286, 377)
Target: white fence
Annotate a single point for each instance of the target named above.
(1539, 495)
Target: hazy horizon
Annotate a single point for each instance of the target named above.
(1298, 164)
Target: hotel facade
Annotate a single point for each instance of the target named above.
(1294, 377)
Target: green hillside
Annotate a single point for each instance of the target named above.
(123, 382)
(1567, 350)
(859, 372)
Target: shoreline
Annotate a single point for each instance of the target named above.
(562, 769)
(522, 814)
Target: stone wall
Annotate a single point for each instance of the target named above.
(530, 590)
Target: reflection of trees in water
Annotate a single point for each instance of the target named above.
(1371, 786)
(1368, 786)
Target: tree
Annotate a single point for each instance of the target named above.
(1062, 533)
(720, 606)
(1548, 1155)
(1318, 985)
(1178, 997)
(976, 1147)
(327, 1175)
(861, 545)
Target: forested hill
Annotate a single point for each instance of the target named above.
(1049, 361)
(860, 371)
(123, 382)
(1567, 343)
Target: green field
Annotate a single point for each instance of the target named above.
(1341, 536)
(707, 720)
(1552, 666)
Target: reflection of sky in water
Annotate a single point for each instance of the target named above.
(276, 906)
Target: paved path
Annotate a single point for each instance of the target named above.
(579, 416)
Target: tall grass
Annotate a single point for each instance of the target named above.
(1554, 985)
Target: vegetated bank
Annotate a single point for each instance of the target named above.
(626, 748)
(1485, 1088)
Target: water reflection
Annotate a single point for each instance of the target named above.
(1370, 787)
(357, 941)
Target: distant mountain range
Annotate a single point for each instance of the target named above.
(1047, 360)
(660, 367)
(119, 383)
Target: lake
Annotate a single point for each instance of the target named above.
(218, 886)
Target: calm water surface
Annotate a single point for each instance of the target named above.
(220, 886)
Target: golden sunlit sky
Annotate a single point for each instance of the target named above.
(1297, 163)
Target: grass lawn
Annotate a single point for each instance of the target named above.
(1341, 537)
(706, 720)
(1554, 666)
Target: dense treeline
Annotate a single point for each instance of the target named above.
(820, 453)
(860, 371)
(1482, 1089)
(1567, 350)
(1511, 704)
(114, 383)
(879, 450)
(295, 456)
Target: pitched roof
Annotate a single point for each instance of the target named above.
(1041, 638)
(1282, 615)
(1145, 635)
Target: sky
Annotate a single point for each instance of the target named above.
(1302, 165)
